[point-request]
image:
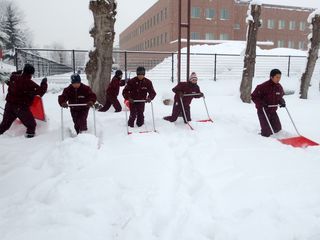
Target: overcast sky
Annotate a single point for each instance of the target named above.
(68, 21)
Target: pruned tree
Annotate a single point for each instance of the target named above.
(314, 37)
(4, 38)
(253, 21)
(98, 68)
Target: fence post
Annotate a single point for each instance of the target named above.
(172, 67)
(215, 67)
(73, 61)
(16, 58)
(125, 64)
(289, 65)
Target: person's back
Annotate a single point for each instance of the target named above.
(21, 92)
(22, 89)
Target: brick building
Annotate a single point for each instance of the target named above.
(214, 21)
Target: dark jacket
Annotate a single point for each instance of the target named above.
(21, 89)
(80, 95)
(185, 88)
(139, 89)
(114, 86)
(267, 93)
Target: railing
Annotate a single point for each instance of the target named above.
(161, 65)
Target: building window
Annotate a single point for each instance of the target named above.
(209, 36)
(158, 18)
(165, 37)
(301, 45)
(165, 13)
(292, 25)
(224, 36)
(161, 16)
(270, 23)
(261, 23)
(224, 14)
(195, 35)
(195, 12)
(236, 26)
(209, 13)
(280, 43)
(282, 24)
(302, 26)
(290, 44)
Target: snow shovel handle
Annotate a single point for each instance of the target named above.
(137, 101)
(77, 105)
(271, 106)
(265, 114)
(294, 125)
(191, 94)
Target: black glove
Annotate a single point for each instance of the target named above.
(201, 94)
(148, 100)
(64, 105)
(282, 103)
(44, 80)
(90, 104)
(131, 100)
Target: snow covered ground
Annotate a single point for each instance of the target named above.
(221, 181)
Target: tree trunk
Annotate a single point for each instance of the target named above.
(312, 57)
(98, 69)
(250, 55)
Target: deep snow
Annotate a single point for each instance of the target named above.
(222, 181)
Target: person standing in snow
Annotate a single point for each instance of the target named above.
(267, 96)
(138, 88)
(189, 87)
(113, 92)
(21, 91)
(78, 93)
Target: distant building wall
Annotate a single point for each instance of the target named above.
(157, 28)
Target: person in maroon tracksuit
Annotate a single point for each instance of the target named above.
(21, 91)
(138, 88)
(78, 93)
(182, 88)
(113, 92)
(267, 96)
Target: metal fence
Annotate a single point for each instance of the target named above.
(160, 65)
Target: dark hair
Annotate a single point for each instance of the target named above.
(118, 73)
(141, 71)
(28, 69)
(274, 72)
(75, 78)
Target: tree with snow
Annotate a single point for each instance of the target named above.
(253, 21)
(314, 37)
(98, 69)
(12, 27)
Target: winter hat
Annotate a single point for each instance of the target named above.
(28, 69)
(75, 78)
(118, 73)
(141, 71)
(193, 76)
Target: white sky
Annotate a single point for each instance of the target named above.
(68, 21)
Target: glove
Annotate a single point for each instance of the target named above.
(44, 80)
(64, 105)
(282, 103)
(90, 104)
(148, 100)
(201, 94)
(131, 100)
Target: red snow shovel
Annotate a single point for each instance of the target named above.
(37, 108)
(298, 141)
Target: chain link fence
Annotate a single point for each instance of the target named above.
(59, 64)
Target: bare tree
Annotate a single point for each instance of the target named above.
(98, 69)
(253, 21)
(313, 52)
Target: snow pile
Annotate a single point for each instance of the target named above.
(221, 181)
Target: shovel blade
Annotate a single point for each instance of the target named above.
(299, 141)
